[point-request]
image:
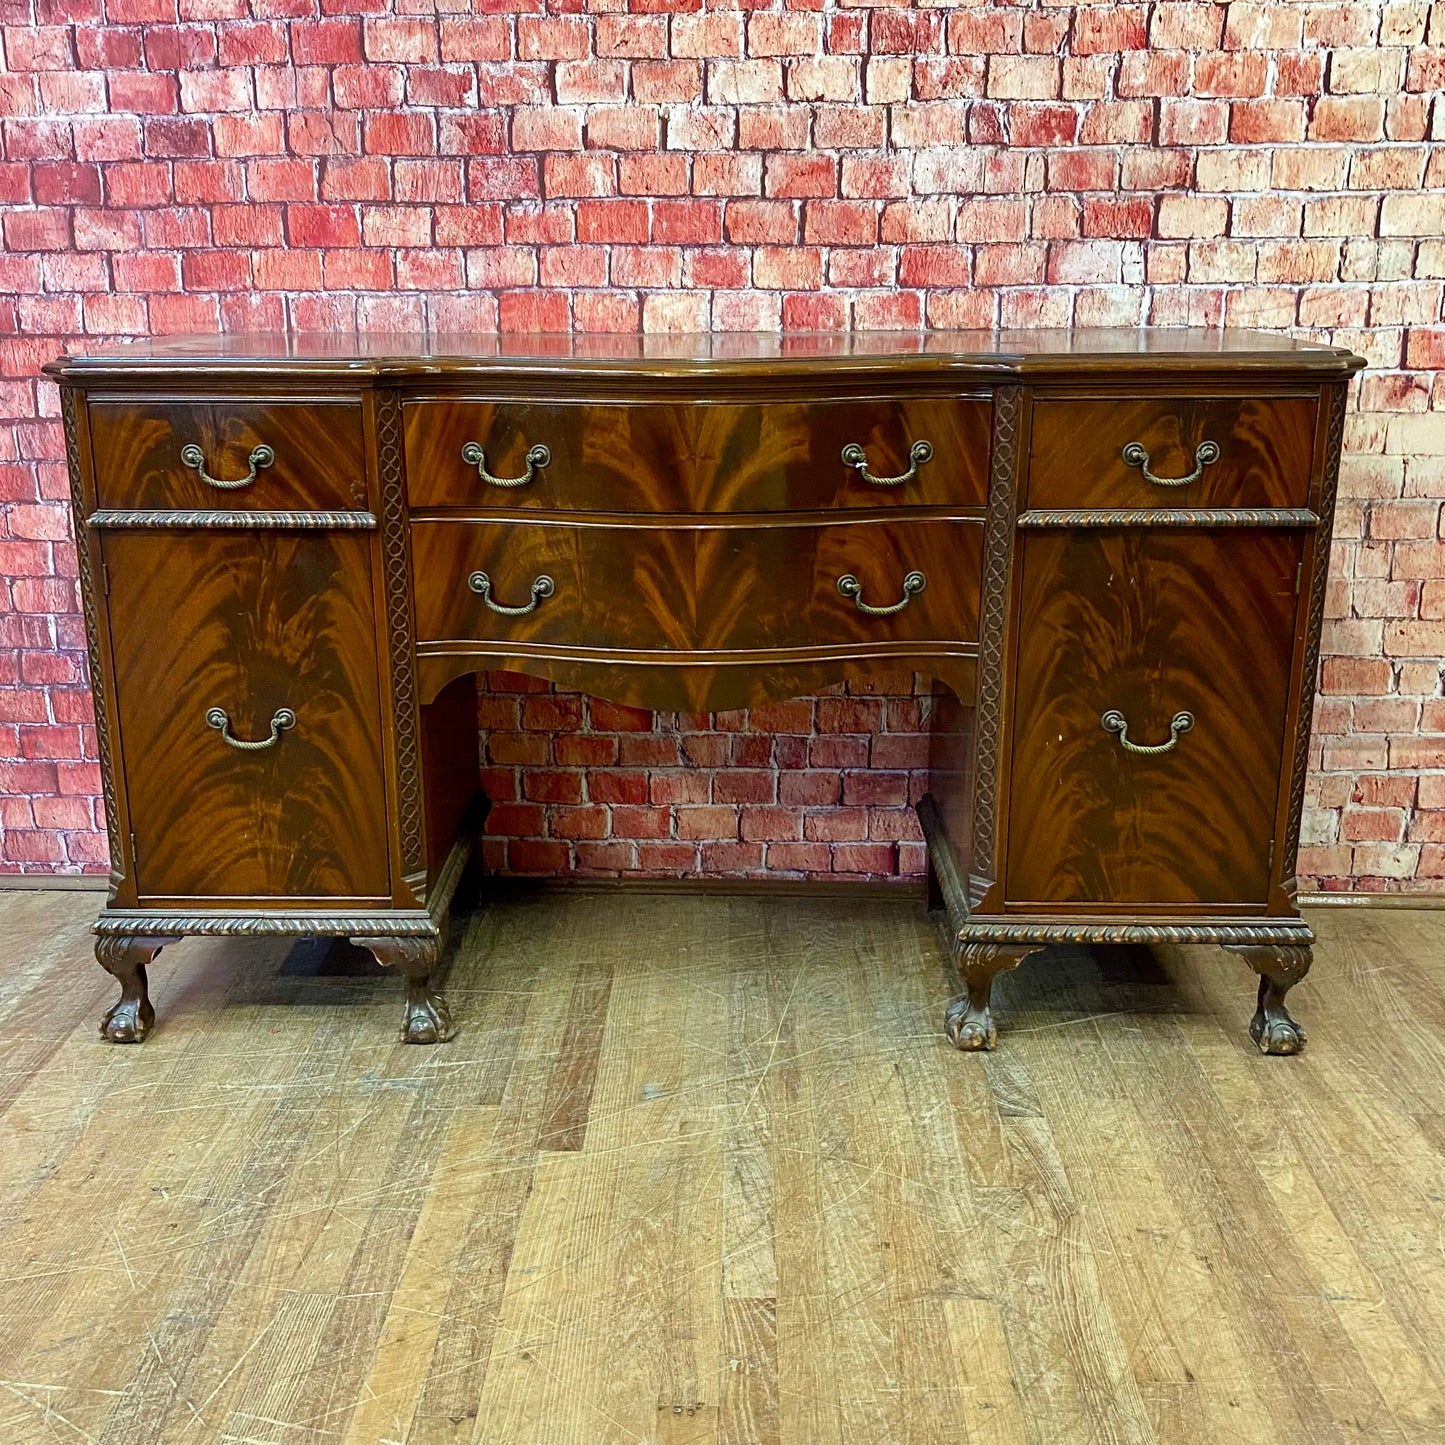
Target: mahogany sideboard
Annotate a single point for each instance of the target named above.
(1108, 549)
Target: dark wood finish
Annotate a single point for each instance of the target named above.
(695, 515)
(250, 624)
(1266, 445)
(830, 363)
(450, 758)
(319, 461)
(697, 457)
(425, 1016)
(1150, 623)
(968, 1020)
(696, 589)
(130, 1018)
(1280, 967)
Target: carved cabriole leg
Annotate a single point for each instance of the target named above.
(425, 1017)
(125, 957)
(1280, 966)
(968, 1021)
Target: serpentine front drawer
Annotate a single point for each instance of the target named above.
(697, 587)
(698, 456)
(220, 454)
(1191, 452)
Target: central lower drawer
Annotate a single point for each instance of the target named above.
(697, 587)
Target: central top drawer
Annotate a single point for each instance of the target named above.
(780, 456)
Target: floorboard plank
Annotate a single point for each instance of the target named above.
(702, 1171)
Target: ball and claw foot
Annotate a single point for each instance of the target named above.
(425, 1018)
(128, 1021)
(969, 1028)
(1280, 967)
(1272, 1028)
(130, 1018)
(969, 1020)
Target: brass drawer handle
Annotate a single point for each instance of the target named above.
(1113, 721)
(1205, 455)
(282, 719)
(850, 586)
(918, 453)
(481, 584)
(474, 456)
(193, 457)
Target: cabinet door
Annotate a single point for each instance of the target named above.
(253, 626)
(1146, 626)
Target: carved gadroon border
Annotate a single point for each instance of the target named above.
(396, 562)
(998, 552)
(69, 414)
(144, 923)
(1334, 445)
(994, 930)
(249, 521)
(1174, 517)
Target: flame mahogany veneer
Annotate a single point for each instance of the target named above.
(1108, 549)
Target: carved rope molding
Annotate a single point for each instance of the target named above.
(998, 553)
(147, 924)
(1334, 445)
(250, 521)
(396, 564)
(69, 407)
(1174, 517)
(1294, 932)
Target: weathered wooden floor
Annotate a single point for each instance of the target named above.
(704, 1170)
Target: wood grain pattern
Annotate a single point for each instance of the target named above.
(697, 456)
(319, 454)
(253, 623)
(696, 588)
(1151, 624)
(1266, 447)
(777, 1198)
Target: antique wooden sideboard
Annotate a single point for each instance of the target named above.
(1108, 549)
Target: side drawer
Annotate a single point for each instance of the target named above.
(226, 455)
(219, 635)
(1102, 453)
(697, 587)
(698, 456)
(1135, 628)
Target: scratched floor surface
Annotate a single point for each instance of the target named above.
(702, 1170)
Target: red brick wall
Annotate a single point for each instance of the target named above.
(814, 787)
(172, 165)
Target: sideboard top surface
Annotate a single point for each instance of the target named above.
(979, 355)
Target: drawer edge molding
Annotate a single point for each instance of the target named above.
(1171, 517)
(235, 521)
